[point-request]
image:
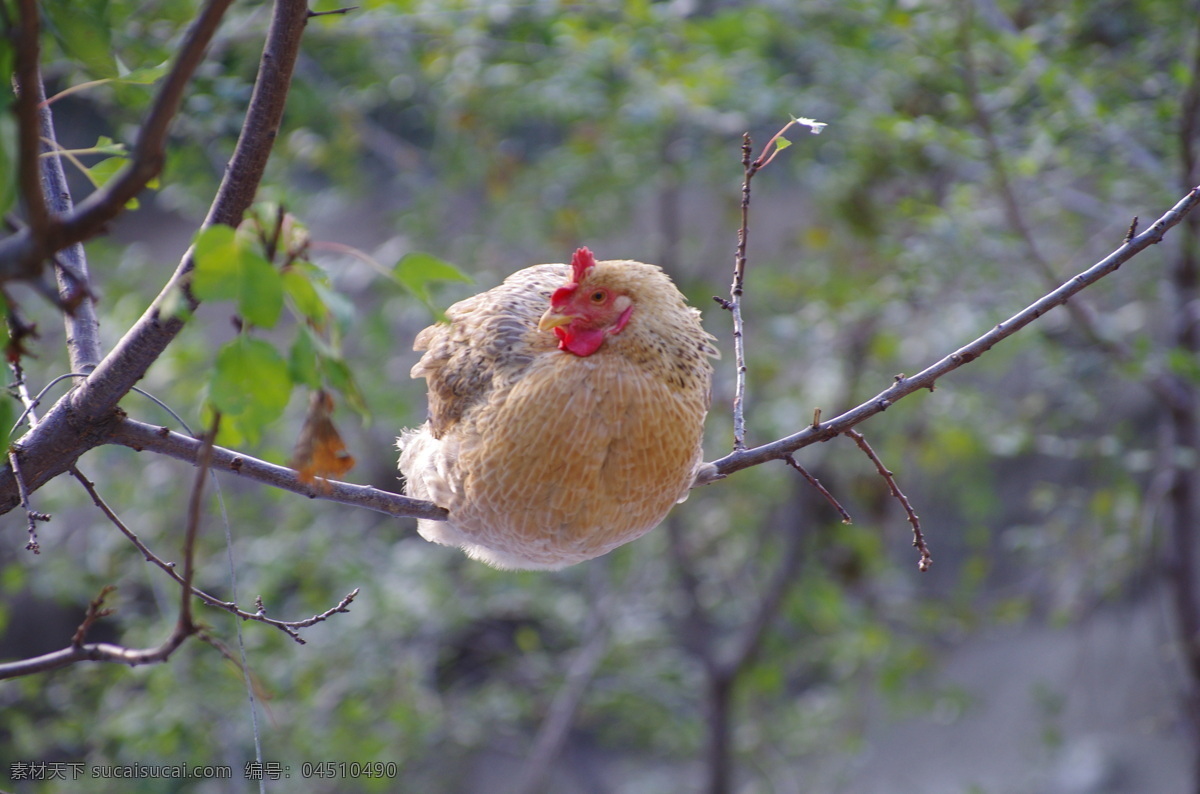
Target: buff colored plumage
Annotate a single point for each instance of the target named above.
(549, 451)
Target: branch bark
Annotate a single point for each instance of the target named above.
(74, 284)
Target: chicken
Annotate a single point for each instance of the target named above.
(566, 410)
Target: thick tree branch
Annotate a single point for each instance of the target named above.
(927, 378)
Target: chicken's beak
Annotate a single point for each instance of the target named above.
(553, 319)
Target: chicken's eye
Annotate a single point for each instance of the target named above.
(599, 296)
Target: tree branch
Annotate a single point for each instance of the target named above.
(74, 289)
(139, 436)
(927, 378)
(25, 109)
(21, 254)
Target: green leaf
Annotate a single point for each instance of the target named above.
(250, 385)
(228, 267)
(106, 145)
(302, 360)
(298, 285)
(215, 276)
(145, 76)
(415, 272)
(782, 143)
(106, 169)
(260, 300)
(83, 28)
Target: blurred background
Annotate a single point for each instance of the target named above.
(978, 153)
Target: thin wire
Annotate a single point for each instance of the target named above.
(258, 755)
(37, 401)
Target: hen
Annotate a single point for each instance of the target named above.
(566, 409)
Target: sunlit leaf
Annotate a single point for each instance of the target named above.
(260, 299)
(146, 75)
(250, 385)
(416, 271)
(228, 267)
(215, 276)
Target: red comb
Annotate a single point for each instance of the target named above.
(580, 263)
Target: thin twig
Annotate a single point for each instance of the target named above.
(814, 482)
(918, 538)
(1133, 224)
(288, 627)
(342, 11)
(743, 459)
(737, 288)
(95, 611)
(735, 302)
(106, 652)
(194, 513)
(22, 391)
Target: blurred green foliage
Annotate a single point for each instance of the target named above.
(500, 134)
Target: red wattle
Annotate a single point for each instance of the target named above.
(580, 342)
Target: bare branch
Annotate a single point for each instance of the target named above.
(927, 378)
(734, 304)
(91, 652)
(95, 611)
(141, 436)
(736, 289)
(107, 652)
(814, 482)
(918, 538)
(25, 108)
(74, 290)
(288, 627)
